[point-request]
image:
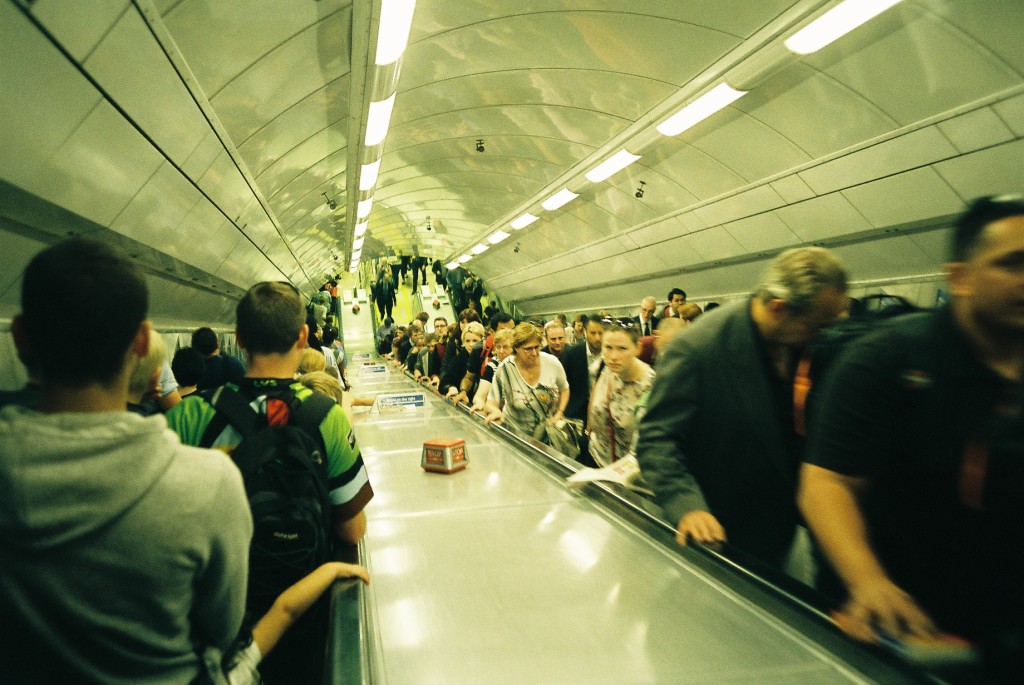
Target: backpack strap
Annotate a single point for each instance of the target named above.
(235, 408)
(311, 412)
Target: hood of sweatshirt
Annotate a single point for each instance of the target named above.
(63, 476)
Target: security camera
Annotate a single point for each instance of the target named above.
(480, 145)
(332, 205)
(640, 191)
(516, 249)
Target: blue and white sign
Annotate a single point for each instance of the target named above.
(372, 370)
(400, 401)
(360, 357)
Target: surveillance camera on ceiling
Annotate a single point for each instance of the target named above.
(480, 145)
(640, 191)
(332, 204)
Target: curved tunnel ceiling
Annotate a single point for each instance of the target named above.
(252, 117)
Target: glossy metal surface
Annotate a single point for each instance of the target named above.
(498, 574)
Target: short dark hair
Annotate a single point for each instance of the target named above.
(109, 301)
(500, 317)
(676, 291)
(980, 213)
(188, 366)
(269, 318)
(330, 335)
(204, 340)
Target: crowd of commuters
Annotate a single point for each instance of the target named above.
(712, 412)
(905, 462)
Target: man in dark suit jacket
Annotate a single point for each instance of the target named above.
(647, 322)
(717, 443)
(576, 360)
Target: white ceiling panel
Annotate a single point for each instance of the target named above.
(917, 195)
(914, 149)
(747, 203)
(994, 24)
(588, 41)
(659, 231)
(986, 172)
(99, 169)
(935, 244)
(226, 186)
(79, 26)
(203, 157)
(885, 258)
(714, 244)
(218, 236)
(762, 233)
(792, 189)
(698, 174)
(283, 77)
(918, 69)
(814, 111)
(44, 98)
(975, 130)
(734, 135)
(155, 213)
(823, 218)
(147, 87)
(1012, 112)
(327, 107)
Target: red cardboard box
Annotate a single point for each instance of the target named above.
(444, 455)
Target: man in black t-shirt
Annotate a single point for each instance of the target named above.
(915, 460)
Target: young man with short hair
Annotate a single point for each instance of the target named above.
(125, 552)
(271, 329)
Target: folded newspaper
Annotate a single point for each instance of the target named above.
(625, 472)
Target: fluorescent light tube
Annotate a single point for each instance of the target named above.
(617, 162)
(368, 176)
(357, 244)
(451, 265)
(523, 221)
(363, 208)
(377, 120)
(464, 258)
(360, 229)
(480, 247)
(837, 22)
(356, 254)
(558, 199)
(498, 237)
(393, 36)
(700, 109)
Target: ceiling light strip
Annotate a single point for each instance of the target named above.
(363, 208)
(523, 221)
(837, 22)
(700, 109)
(368, 176)
(617, 162)
(395, 23)
(497, 237)
(559, 199)
(377, 120)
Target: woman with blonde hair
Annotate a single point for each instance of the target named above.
(312, 360)
(502, 349)
(529, 390)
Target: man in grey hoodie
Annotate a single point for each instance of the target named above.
(124, 553)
